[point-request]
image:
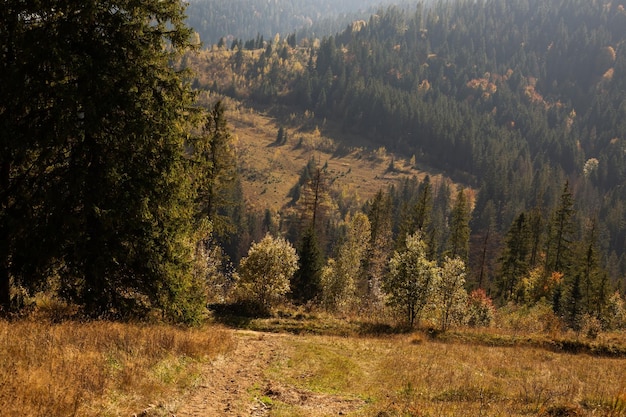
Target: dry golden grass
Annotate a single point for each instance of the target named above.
(268, 171)
(415, 376)
(100, 368)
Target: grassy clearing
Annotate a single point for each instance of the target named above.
(100, 368)
(269, 171)
(381, 370)
(412, 375)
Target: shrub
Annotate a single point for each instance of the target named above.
(480, 309)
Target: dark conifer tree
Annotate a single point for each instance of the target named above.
(514, 260)
(305, 284)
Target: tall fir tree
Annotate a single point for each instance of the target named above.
(559, 250)
(95, 178)
(561, 234)
(458, 241)
(514, 260)
(305, 284)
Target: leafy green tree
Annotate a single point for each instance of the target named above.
(412, 278)
(339, 277)
(95, 178)
(266, 271)
(450, 292)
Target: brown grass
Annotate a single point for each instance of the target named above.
(100, 368)
(412, 375)
(268, 171)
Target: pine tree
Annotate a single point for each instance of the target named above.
(218, 179)
(95, 179)
(559, 252)
(305, 285)
(379, 248)
(514, 261)
(458, 241)
(339, 285)
(561, 234)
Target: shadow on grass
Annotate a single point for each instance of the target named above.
(250, 316)
(237, 315)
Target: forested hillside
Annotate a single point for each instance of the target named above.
(496, 130)
(522, 101)
(215, 19)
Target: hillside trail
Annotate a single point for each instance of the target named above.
(240, 384)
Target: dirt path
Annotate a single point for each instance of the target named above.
(233, 384)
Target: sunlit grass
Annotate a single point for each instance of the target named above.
(412, 375)
(100, 368)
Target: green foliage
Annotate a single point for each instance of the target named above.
(616, 312)
(96, 184)
(450, 294)
(412, 278)
(266, 272)
(339, 278)
(217, 171)
(480, 309)
(458, 242)
(305, 285)
(514, 261)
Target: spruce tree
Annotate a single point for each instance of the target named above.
(305, 285)
(458, 241)
(96, 185)
(514, 260)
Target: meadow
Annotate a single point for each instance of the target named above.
(317, 366)
(100, 368)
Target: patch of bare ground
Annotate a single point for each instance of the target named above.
(239, 383)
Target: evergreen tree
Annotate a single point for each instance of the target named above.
(514, 260)
(559, 253)
(218, 181)
(305, 285)
(380, 245)
(561, 234)
(458, 241)
(94, 175)
(424, 205)
(340, 277)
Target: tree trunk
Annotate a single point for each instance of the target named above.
(5, 282)
(5, 289)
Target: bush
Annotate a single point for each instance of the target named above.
(590, 326)
(536, 318)
(480, 309)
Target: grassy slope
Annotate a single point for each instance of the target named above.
(270, 171)
(119, 369)
(413, 376)
(100, 368)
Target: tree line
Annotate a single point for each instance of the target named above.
(120, 195)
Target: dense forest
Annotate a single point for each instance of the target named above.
(523, 102)
(214, 19)
(121, 191)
